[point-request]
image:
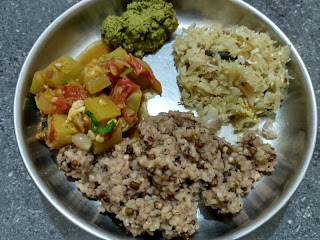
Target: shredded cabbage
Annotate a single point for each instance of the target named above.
(250, 83)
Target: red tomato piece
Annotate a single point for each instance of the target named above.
(155, 83)
(73, 92)
(61, 105)
(127, 86)
(120, 92)
(140, 70)
(51, 135)
(116, 96)
(70, 94)
(137, 67)
(114, 77)
(125, 115)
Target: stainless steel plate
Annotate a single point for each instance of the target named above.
(78, 27)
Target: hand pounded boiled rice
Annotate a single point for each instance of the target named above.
(155, 183)
(238, 91)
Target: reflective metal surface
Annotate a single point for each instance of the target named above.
(78, 27)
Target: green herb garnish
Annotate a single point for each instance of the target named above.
(64, 83)
(37, 102)
(95, 125)
(108, 128)
(129, 70)
(44, 125)
(90, 149)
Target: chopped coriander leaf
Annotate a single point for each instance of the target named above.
(44, 125)
(129, 70)
(64, 83)
(90, 149)
(95, 125)
(36, 100)
(108, 128)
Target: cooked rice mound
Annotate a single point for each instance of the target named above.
(237, 90)
(155, 183)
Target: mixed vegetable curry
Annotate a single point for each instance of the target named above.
(91, 104)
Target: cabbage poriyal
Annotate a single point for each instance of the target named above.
(143, 28)
(236, 74)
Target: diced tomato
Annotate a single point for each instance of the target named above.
(51, 135)
(137, 67)
(73, 92)
(155, 83)
(120, 92)
(140, 70)
(111, 63)
(114, 77)
(127, 86)
(61, 105)
(125, 115)
(116, 96)
(70, 94)
(150, 77)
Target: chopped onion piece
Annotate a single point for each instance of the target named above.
(269, 130)
(82, 141)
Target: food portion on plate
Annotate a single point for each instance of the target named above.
(143, 28)
(233, 74)
(151, 171)
(155, 182)
(92, 105)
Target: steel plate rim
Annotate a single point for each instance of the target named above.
(17, 121)
(251, 226)
(280, 203)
